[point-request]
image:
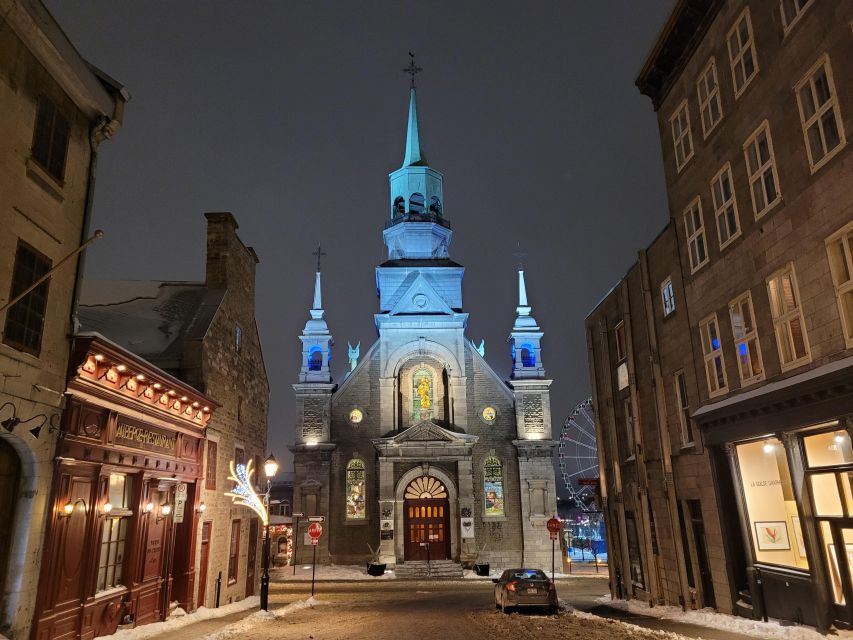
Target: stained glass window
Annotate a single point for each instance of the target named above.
(422, 394)
(493, 485)
(355, 490)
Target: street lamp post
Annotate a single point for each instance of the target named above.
(270, 469)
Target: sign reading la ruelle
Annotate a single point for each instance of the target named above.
(142, 436)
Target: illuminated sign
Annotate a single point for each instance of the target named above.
(133, 434)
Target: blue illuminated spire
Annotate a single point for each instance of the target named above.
(415, 156)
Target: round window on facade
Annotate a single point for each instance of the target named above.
(356, 416)
(488, 414)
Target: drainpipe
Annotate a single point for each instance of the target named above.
(102, 129)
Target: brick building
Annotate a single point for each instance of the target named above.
(721, 363)
(423, 451)
(57, 109)
(205, 334)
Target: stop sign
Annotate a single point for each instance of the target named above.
(553, 525)
(315, 530)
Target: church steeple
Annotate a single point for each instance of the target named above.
(316, 339)
(526, 338)
(418, 228)
(415, 157)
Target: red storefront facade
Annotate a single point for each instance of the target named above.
(125, 501)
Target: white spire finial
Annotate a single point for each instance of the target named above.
(522, 289)
(318, 294)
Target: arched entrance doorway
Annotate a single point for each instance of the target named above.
(10, 478)
(426, 520)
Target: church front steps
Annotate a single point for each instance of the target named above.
(433, 570)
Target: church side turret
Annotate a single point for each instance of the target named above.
(533, 428)
(316, 341)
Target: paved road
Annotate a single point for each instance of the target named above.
(446, 610)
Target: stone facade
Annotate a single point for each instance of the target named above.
(422, 425)
(672, 453)
(50, 216)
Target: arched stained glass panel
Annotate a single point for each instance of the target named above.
(493, 486)
(355, 490)
(422, 395)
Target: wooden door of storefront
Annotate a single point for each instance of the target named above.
(426, 522)
(205, 557)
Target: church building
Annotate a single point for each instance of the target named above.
(423, 452)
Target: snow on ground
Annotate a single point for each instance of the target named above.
(180, 618)
(631, 629)
(771, 630)
(248, 624)
(327, 572)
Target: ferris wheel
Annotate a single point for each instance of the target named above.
(578, 454)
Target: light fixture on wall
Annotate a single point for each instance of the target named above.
(13, 421)
(69, 507)
(106, 508)
(839, 437)
(202, 507)
(769, 447)
(165, 510)
(149, 507)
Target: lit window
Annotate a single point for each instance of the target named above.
(25, 318)
(708, 91)
(712, 349)
(114, 532)
(747, 346)
(742, 53)
(681, 138)
(694, 229)
(667, 297)
(761, 168)
(493, 487)
(725, 206)
(355, 488)
(819, 114)
(683, 409)
(788, 323)
(50, 139)
(315, 359)
(791, 11)
(839, 246)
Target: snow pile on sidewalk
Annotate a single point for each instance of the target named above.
(772, 630)
(249, 623)
(180, 618)
(327, 572)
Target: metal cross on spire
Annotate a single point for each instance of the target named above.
(319, 253)
(412, 69)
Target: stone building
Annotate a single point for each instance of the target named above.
(205, 334)
(423, 451)
(57, 109)
(722, 362)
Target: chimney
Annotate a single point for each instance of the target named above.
(230, 264)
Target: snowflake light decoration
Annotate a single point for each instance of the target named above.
(243, 492)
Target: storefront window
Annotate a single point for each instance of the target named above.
(774, 521)
(114, 533)
(828, 449)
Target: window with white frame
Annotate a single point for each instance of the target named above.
(683, 409)
(747, 346)
(742, 58)
(839, 246)
(667, 297)
(681, 138)
(788, 323)
(694, 229)
(708, 91)
(791, 11)
(712, 350)
(761, 168)
(725, 205)
(819, 114)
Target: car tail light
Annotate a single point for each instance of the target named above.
(510, 586)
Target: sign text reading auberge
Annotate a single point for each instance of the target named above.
(144, 437)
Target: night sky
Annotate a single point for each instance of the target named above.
(291, 115)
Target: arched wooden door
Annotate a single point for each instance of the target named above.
(426, 520)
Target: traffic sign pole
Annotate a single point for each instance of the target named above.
(313, 567)
(553, 526)
(315, 530)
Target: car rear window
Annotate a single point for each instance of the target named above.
(529, 574)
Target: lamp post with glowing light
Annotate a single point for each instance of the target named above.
(270, 469)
